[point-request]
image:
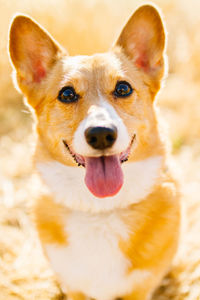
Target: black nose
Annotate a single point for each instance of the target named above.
(101, 137)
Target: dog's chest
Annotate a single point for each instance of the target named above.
(92, 262)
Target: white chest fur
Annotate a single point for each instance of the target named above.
(67, 184)
(92, 262)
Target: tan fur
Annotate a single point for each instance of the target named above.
(155, 225)
(49, 221)
(43, 69)
(76, 296)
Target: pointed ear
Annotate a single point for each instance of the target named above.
(32, 50)
(143, 40)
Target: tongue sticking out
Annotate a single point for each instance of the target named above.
(104, 176)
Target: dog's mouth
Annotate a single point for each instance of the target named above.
(104, 176)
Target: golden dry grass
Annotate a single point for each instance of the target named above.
(85, 27)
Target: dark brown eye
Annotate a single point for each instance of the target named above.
(123, 89)
(68, 95)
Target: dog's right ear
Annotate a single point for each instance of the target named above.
(33, 52)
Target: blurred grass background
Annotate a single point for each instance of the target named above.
(86, 27)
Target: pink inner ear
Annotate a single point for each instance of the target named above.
(139, 50)
(142, 43)
(39, 71)
(142, 61)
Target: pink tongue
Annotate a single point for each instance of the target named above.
(104, 176)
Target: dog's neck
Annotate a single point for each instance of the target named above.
(66, 183)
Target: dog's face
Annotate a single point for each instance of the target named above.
(94, 111)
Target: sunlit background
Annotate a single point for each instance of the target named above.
(86, 27)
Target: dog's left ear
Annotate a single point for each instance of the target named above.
(143, 40)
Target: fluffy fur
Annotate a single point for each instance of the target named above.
(119, 246)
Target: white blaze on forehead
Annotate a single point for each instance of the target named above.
(82, 65)
(103, 115)
(98, 116)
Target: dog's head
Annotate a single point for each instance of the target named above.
(93, 111)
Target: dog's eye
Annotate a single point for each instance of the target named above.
(123, 89)
(68, 95)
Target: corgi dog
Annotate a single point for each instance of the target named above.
(111, 220)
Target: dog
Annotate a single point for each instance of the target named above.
(110, 223)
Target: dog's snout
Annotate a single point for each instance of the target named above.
(101, 137)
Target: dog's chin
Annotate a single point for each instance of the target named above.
(104, 175)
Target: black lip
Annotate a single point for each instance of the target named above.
(72, 154)
(131, 143)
